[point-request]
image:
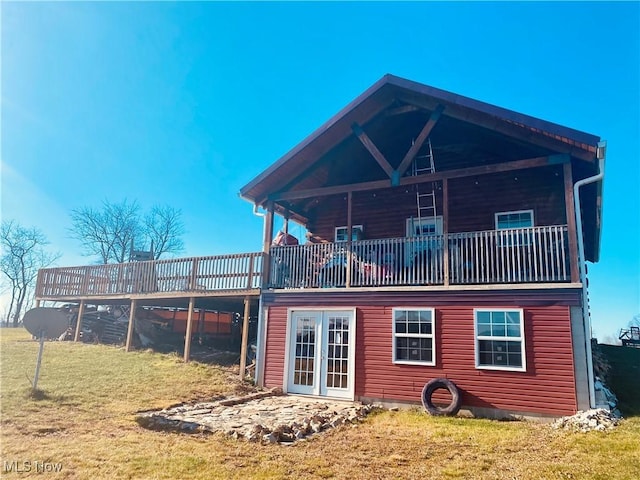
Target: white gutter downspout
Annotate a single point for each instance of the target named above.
(260, 340)
(600, 154)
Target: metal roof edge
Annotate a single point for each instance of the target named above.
(496, 111)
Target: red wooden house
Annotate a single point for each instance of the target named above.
(447, 238)
(470, 225)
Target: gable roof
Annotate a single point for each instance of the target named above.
(390, 90)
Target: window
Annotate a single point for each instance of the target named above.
(356, 233)
(413, 336)
(511, 220)
(519, 219)
(424, 226)
(500, 339)
(426, 234)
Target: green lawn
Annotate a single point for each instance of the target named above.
(84, 420)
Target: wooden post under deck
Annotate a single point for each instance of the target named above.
(76, 337)
(132, 317)
(245, 337)
(187, 338)
(571, 222)
(37, 303)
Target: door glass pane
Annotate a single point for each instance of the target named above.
(305, 351)
(337, 375)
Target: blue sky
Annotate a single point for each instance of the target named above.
(184, 103)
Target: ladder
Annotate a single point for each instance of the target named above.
(426, 202)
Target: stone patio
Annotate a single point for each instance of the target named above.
(266, 417)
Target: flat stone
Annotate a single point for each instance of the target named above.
(263, 416)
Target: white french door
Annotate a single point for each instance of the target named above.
(321, 353)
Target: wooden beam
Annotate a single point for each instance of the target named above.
(245, 337)
(402, 109)
(429, 177)
(76, 337)
(571, 222)
(132, 318)
(373, 150)
(349, 228)
(445, 228)
(424, 134)
(187, 337)
(266, 245)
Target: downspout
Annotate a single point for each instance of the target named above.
(256, 212)
(600, 154)
(259, 371)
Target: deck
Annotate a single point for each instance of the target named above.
(516, 256)
(181, 277)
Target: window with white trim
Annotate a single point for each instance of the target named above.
(511, 221)
(413, 336)
(500, 339)
(424, 226)
(341, 233)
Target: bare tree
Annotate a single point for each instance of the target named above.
(107, 232)
(111, 231)
(164, 229)
(23, 254)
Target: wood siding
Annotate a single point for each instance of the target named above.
(547, 386)
(471, 205)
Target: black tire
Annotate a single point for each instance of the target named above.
(437, 384)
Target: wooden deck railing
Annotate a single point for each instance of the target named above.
(523, 255)
(201, 274)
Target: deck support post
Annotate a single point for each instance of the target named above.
(76, 337)
(266, 245)
(132, 318)
(245, 337)
(349, 271)
(188, 334)
(37, 303)
(445, 230)
(571, 222)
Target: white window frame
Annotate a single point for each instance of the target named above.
(513, 239)
(431, 335)
(435, 221)
(506, 338)
(344, 227)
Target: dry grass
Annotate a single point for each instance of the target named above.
(84, 420)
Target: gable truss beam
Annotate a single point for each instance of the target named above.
(535, 162)
(424, 134)
(400, 110)
(373, 150)
(395, 174)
